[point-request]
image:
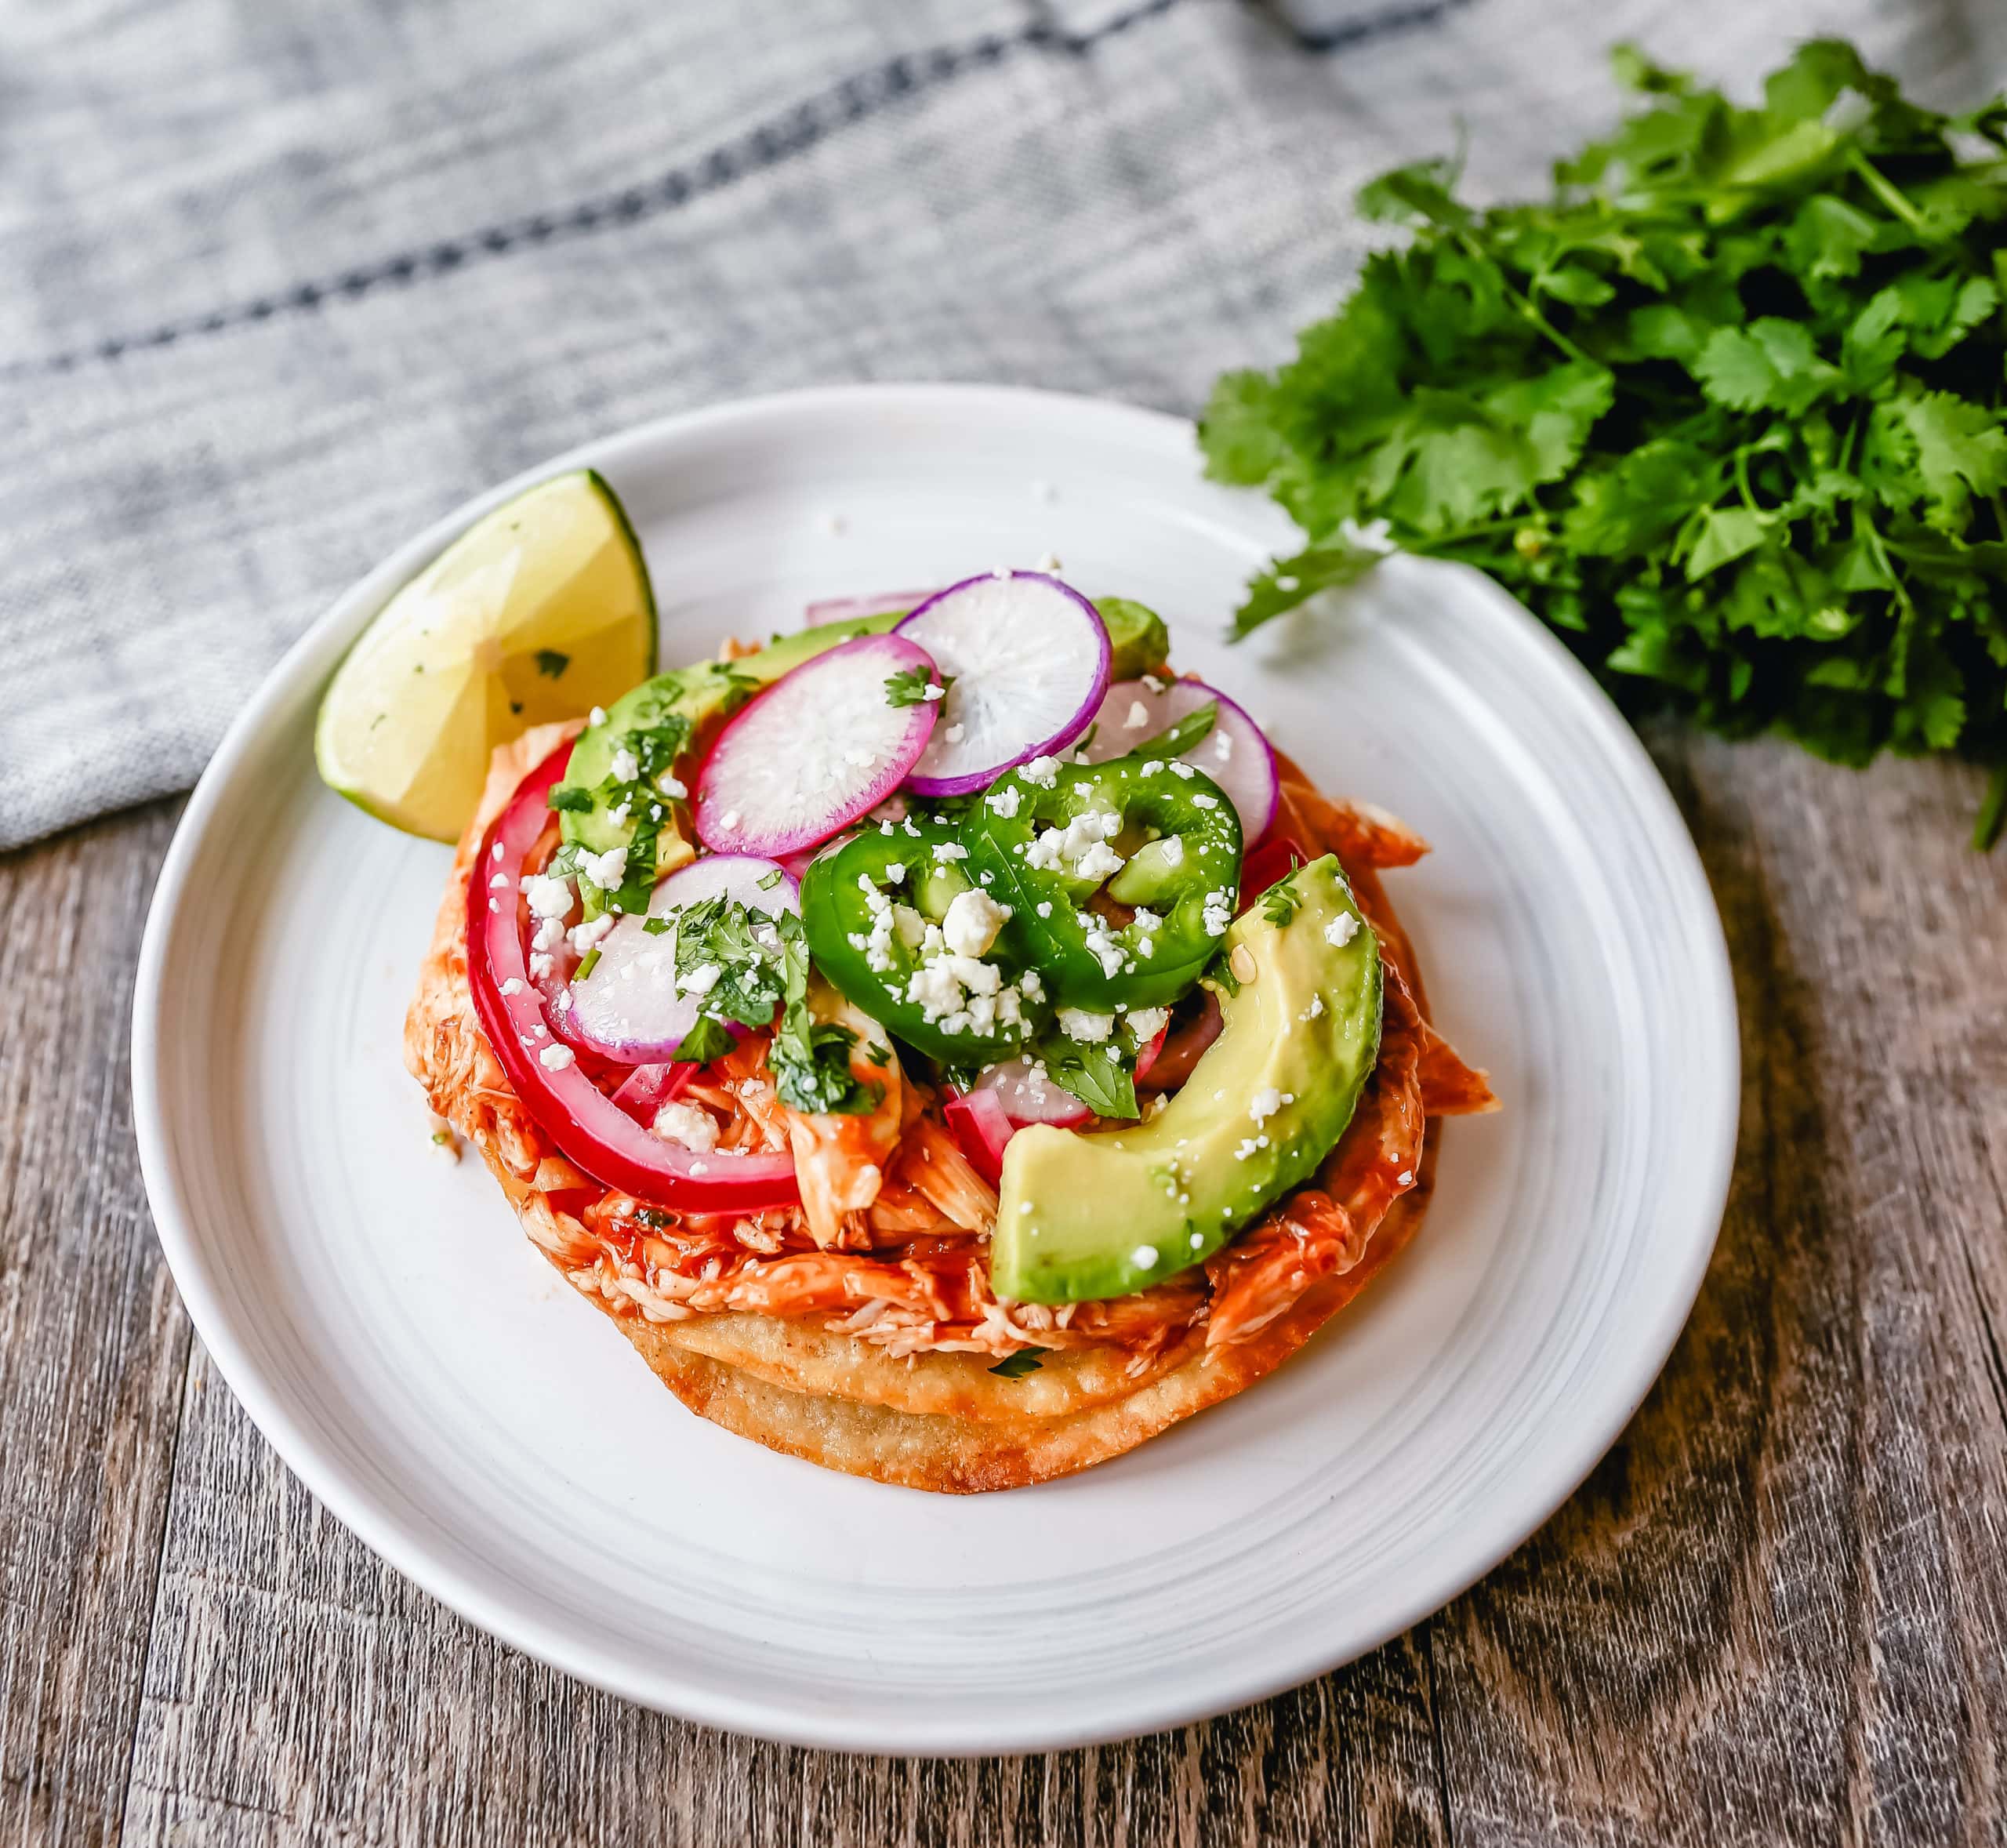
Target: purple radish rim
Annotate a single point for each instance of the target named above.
(1097, 752)
(968, 783)
(738, 875)
(707, 810)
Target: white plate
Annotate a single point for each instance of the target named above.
(433, 1382)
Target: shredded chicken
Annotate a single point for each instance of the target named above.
(889, 1242)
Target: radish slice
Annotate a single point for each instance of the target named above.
(823, 744)
(586, 1125)
(1028, 1095)
(1030, 659)
(648, 1087)
(1235, 754)
(984, 1132)
(847, 609)
(629, 1009)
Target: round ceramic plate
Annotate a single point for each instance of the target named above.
(433, 1381)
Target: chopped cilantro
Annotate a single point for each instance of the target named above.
(570, 797)
(1282, 901)
(1727, 409)
(1102, 1076)
(768, 881)
(910, 686)
(551, 664)
(587, 963)
(1015, 1366)
(658, 927)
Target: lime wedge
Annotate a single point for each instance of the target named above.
(540, 611)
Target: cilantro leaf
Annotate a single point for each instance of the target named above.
(1726, 408)
(550, 662)
(914, 685)
(1015, 1366)
(1100, 1075)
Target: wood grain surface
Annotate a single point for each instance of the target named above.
(1776, 1613)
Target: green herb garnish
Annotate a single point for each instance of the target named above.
(550, 663)
(1725, 410)
(911, 686)
(1281, 901)
(1175, 740)
(1015, 1366)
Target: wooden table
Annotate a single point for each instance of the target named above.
(1777, 1612)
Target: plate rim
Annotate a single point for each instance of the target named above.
(401, 1543)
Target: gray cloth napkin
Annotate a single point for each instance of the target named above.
(281, 283)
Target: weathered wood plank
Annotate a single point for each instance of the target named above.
(1778, 1612)
(298, 1690)
(1775, 1613)
(92, 1342)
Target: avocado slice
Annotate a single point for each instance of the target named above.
(1113, 1212)
(1139, 643)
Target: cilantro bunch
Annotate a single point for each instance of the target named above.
(1726, 410)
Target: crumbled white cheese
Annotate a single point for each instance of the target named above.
(1265, 1102)
(597, 716)
(896, 872)
(546, 897)
(729, 820)
(1155, 682)
(514, 986)
(934, 689)
(1179, 767)
(1144, 1257)
(541, 966)
(857, 759)
(1040, 772)
(1139, 716)
(973, 920)
(1048, 561)
(700, 981)
(1005, 802)
(686, 1124)
(605, 870)
(626, 766)
(1033, 988)
(1045, 907)
(1103, 946)
(554, 1058)
(1246, 1147)
(1316, 1007)
(1146, 1023)
(673, 787)
(956, 733)
(944, 851)
(1078, 1023)
(1223, 746)
(585, 935)
(1146, 922)
(1341, 930)
(1205, 801)
(1217, 913)
(1099, 862)
(548, 934)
